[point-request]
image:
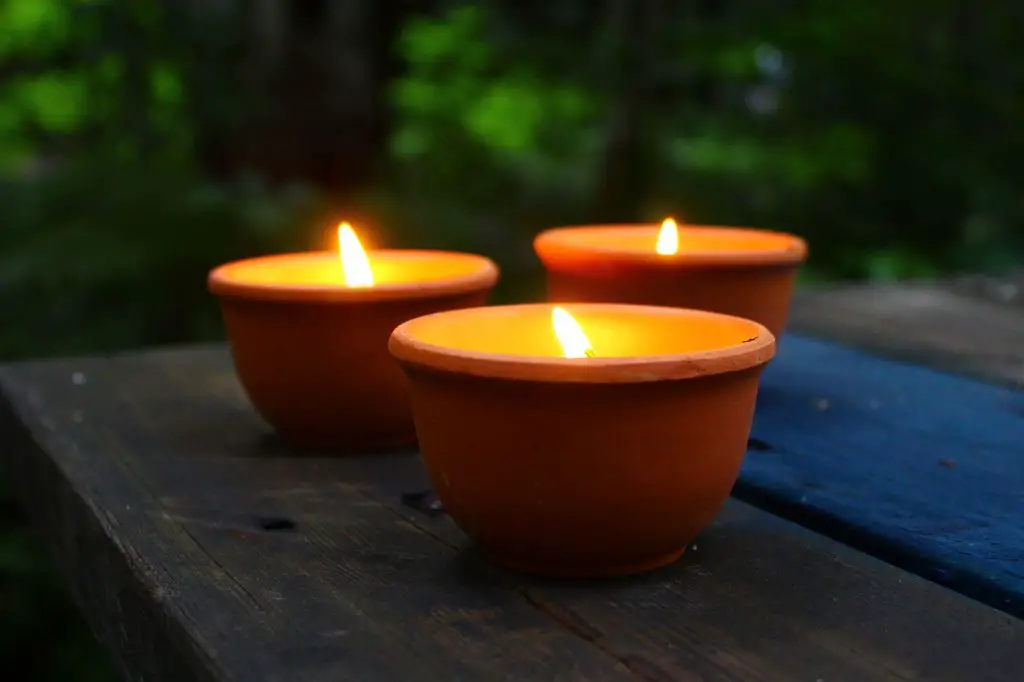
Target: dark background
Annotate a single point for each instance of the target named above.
(143, 142)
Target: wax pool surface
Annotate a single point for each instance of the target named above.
(323, 269)
(527, 331)
(642, 239)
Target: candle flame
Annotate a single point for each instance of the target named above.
(355, 266)
(668, 238)
(570, 334)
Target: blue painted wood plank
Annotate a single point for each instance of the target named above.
(920, 468)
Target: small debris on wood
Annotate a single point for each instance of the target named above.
(77, 378)
(424, 501)
(948, 463)
(821, 404)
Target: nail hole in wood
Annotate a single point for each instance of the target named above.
(275, 523)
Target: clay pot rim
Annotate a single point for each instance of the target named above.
(558, 239)
(484, 276)
(755, 351)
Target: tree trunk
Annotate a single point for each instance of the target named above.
(306, 88)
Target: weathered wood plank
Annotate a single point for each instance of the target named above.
(145, 493)
(918, 467)
(928, 323)
(757, 599)
(201, 550)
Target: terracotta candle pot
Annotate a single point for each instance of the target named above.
(311, 350)
(743, 272)
(566, 461)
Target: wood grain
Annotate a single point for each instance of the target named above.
(936, 324)
(145, 492)
(200, 549)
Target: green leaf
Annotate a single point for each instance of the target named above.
(55, 101)
(431, 42)
(165, 85)
(895, 264)
(410, 142)
(506, 117)
(33, 26)
(417, 96)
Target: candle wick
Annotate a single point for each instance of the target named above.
(589, 352)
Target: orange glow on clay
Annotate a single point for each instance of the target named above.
(355, 266)
(668, 238)
(570, 334)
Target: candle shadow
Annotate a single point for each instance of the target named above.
(472, 567)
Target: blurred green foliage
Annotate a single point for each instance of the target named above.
(128, 271)
(883, 132)
(887, 132)
(878, 130)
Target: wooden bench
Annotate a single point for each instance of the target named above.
(201, 549)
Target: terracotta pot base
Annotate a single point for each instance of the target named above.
(579, 571)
